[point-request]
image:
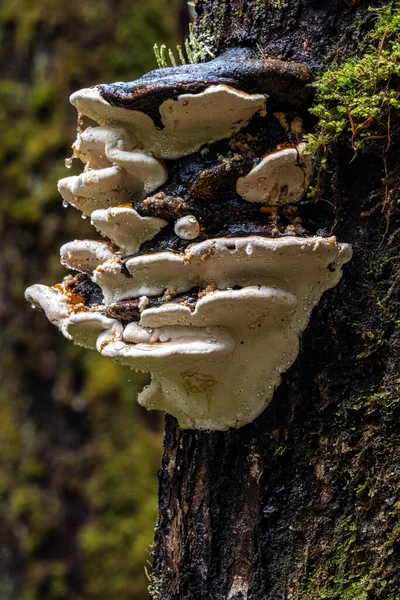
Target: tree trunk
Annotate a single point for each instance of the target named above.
(303, 502)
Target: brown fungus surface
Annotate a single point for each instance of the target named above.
(239, 68)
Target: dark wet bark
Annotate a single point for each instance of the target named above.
(306, 31)
(304, 501)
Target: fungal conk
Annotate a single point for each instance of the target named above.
(208, 274)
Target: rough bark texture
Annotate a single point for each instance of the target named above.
(304, 502)
(306, 31)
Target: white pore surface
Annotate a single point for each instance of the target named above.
(115, 172)
(216, 363)
(216, 366)
(282, 177)
(223, 262)
(85, 255)
(76, 322)
(52, 301)
(189, 122)
(125, 227)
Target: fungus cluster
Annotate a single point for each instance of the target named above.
(206, 277)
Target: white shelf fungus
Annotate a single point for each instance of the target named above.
(282, 177)
(133, 176)
(189, 122)
(218, 323)
(224, 359)
(225, 262)
(85, 255)
(126, 228)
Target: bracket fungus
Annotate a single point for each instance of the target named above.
(125, 227)
(85, 255)
(188, 122)
(116, 172)
(208, 283)
(282, 177)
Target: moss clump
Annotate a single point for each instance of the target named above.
(196, 50)
(355, 99)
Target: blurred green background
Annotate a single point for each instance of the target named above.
(78, 456)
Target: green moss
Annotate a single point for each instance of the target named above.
(358, 559)
(196, 49)
(354, 99)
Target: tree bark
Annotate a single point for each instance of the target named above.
(302, 503)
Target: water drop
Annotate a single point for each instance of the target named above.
(68, 162)
(83, 216)
(65, 203)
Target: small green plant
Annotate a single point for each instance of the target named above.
(195, 50)
(355, 100)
